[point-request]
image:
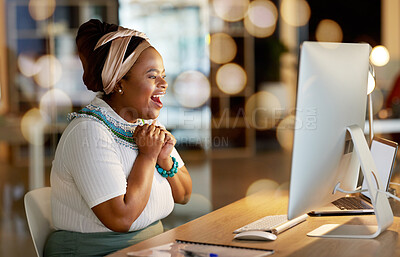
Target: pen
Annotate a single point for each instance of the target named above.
(189, 253)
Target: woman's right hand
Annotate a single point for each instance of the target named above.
(149, 139)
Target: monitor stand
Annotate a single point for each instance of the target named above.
(383, 211)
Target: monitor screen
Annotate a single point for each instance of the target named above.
(331, 95)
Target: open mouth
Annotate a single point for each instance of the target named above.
(157, 99)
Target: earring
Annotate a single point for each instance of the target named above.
(120, 91)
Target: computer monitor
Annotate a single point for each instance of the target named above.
(328, 140)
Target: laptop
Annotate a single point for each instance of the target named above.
(384, 154)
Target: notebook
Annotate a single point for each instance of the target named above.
(384, 154)
(181, 248)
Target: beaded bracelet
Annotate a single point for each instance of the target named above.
(168, 173)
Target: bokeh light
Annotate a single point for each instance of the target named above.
(53, 103)
(282, 190)
(27, 65)
(30, 121)
(371, 83)
(41, 9)
(49, 71)
(378, 100)
(295, 12)
(385, 113)
(263, 110)
(230, 10)
(231, 78)
(208, 39)
(192, 89)
(262, 184)
(263, 13)
(285, 132)
(329, 31)
(261, 18)
(379, 56)
(222, 48)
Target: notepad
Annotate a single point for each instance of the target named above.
(181, 248)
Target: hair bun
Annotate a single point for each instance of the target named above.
(88, 34)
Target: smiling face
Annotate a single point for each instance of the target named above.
(143, 86)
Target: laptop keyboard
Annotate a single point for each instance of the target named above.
(351, 203)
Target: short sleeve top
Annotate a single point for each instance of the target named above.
(92, 163)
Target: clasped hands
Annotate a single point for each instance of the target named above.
(154, 141)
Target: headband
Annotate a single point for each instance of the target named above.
(115, 67)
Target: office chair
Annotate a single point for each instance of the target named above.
(38, 214)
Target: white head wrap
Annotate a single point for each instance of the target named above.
(115, 67)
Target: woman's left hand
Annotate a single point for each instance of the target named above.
(168, 146)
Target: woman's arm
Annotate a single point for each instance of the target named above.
(181, 183)
(120, 212)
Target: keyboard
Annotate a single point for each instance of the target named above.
(351, 203)
(266, 223)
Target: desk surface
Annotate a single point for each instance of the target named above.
(217, 227)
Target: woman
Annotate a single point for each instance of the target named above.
(116, 172)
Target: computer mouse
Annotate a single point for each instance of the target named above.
(256, 235)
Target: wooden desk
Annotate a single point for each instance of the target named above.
(217, 227)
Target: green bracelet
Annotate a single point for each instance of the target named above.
(168, 173)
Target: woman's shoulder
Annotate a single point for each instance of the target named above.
(85, 133)
(81, 136)
(97, 130)
(84, 127)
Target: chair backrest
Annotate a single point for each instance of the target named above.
(38, 214)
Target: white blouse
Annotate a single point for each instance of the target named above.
(92, 162)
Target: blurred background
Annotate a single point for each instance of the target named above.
(232, 71)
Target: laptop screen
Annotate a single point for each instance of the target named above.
(384, 154)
